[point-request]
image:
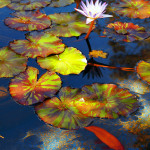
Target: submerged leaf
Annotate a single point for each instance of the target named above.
(127, 32)
(28, 21)
(38, 44)
(68, 24)
(26, 90)
(71, 61)
(143, 69)
(28, 4)
(106, 101)
(97, 53)
(3, 91)
(106, 137)
(60, 112)
(10, 63)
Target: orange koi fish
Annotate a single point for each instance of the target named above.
(106, 137)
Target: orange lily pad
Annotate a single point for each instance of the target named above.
(26, 90)
(28, 21)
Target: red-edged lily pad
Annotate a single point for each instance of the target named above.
(38, 44)
(68, 24)
(143, 70)
(133, 8)
(26, 90)
(61, 3)
(28, 4)
(4, 3)
(71, 61)
(127, 32)
(60, 112)
(106, 101)
(11, 63)
(28, 21)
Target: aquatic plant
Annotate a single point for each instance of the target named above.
(93, 11)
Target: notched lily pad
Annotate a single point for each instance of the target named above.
(28, 21)
(4, 3)
(11, 63)
(71, 61)
(127, 32)
(60, 112)
(38, 44)
(28, 4)
(143, 70)
(26, 90)
(68, 24)
(132, 8)
(106, 101)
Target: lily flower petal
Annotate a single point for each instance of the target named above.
(93, 10)
(106, 15)
(88, 20)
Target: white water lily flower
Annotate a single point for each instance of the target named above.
(93, 11)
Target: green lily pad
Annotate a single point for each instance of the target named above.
(68, 24)
(60, 112)
(71, 61)
(28, 21)
(4, 3)
(38, 44)
(11, 63)
(143, 70)
(61, 3)
(26, 90)
(28, 4)
(106, 101)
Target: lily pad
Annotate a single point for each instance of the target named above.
(61, 3)
(127, 32)
(60, 112)
(28, 4)
(132, 8)
(38, 44)
(106, 101)
(143, 70)
(11, 63)
(71, 61)
(26, 90)
(68, 24)
(4, 3)
(28, 21)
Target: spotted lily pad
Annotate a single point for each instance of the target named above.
(71, 61)
(132, 8)
(4, 3)
(127, 32)
(11, 63)
(38, 44)
(26, 90)
(106, 101)
(60, 112)
(143, 70)
(28, 21)
(60, 3)
(68, 24)
(28, 4)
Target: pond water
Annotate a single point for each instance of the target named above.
(112, 66)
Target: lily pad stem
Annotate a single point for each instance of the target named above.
(90, 29)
